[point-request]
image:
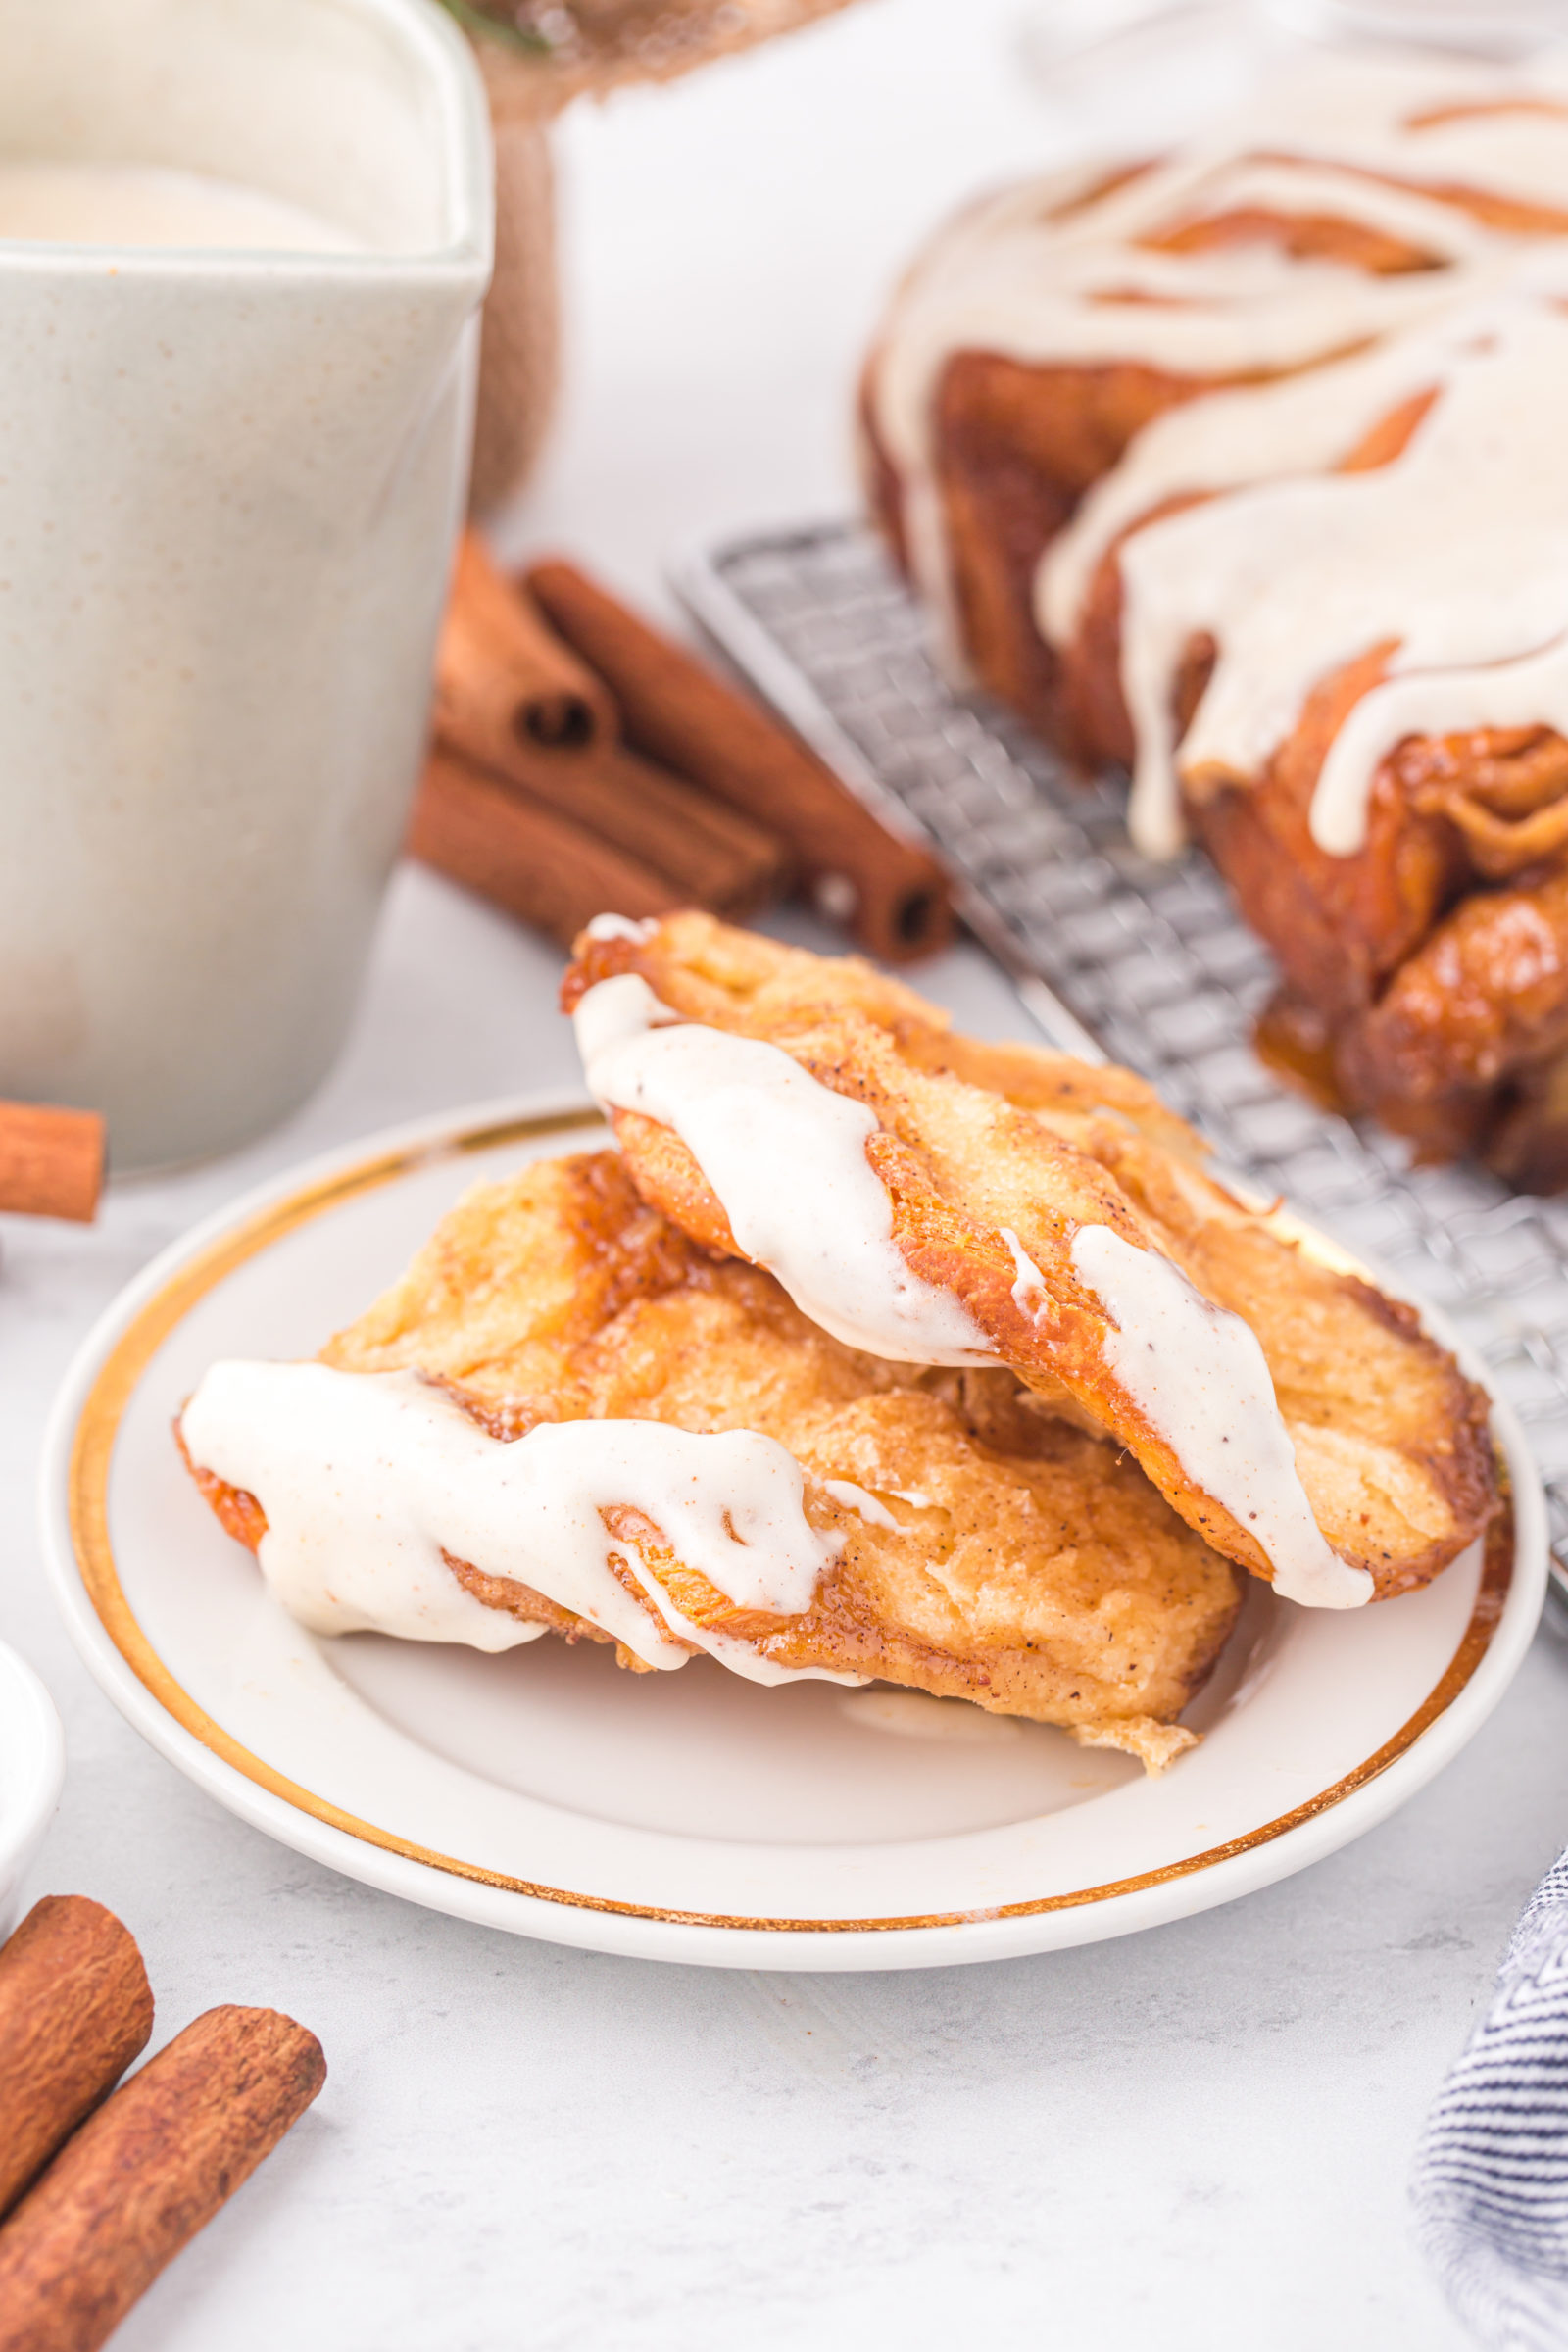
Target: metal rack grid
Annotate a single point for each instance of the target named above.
(1147, 964)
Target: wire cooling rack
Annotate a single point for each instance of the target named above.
(1147, 964)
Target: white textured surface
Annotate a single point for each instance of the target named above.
(1199, 2136)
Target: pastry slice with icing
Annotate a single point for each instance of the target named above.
(934, 1199)
(568, 1416)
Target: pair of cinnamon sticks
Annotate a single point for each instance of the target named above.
(99, 2192)
(584, 764)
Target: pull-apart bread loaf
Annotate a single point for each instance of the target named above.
(935, 1201)
(1246, 468)
(565, 1386)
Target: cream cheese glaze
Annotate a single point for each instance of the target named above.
(1199, 1378)
(786, 1157)
(1029, 1294)
(621, 926)
(1528, 692)
(1453, 553)
(366, 1478)
(1225, 440)
(855, 1498)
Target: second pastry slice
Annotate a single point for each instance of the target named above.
(567, 1416)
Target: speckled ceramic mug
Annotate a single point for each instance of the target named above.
(230, 483)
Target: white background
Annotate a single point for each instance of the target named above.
(1199, 2137)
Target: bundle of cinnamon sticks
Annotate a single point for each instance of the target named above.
(100, 2188)
(583, 762)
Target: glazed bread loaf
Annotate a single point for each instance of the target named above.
(1245, 468)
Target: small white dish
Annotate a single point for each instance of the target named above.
(691, 1816)
(33, 1764)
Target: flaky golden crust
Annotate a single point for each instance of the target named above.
(973, 1143)
(1030, 1570)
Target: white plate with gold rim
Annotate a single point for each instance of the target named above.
(690, 1816)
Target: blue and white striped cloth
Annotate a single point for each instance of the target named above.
(1491, 2182)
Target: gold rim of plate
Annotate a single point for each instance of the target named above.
(92, 1452)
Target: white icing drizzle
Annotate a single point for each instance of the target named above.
(621, 926)
(1225, 440)
(1527, 693)
(1456, 554)
(1029, 1294)
(1456, 549)
(367, 1477)
(1200, 1377)
(855, 1498)
(786, 1157)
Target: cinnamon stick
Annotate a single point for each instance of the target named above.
(148, 2171)
(719, 858)
(512, 698)
(51, 1161)
(75, 2008)
(534, 863)
(892, 895)
(710, 856)
(505, 682)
